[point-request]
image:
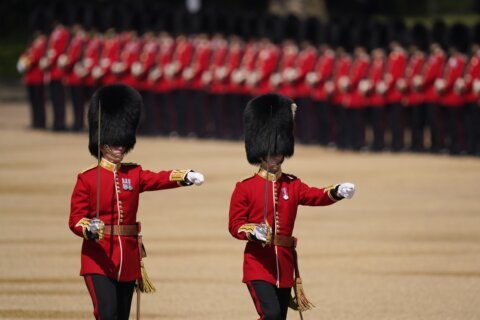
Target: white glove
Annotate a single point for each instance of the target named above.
(346, 190)
(195, 178)
(260, 232)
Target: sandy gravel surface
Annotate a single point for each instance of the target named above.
(406, 247)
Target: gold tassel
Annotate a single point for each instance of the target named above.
(299, 302)
(144, 283)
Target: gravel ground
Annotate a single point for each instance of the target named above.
(406, 247)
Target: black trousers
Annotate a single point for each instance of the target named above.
(57, 95)
(433, 121)
(322, 115)
(196, 113)
(233, 115)
(179, 112)
(77, 93)
(339, 122)
(452, 128)
(418, 122)
(355, 130)
(395, 125)
(214, 111)
(271, 302)
(306, 120)
(111, 299)
(161, 112)
(376, 123)
(147, 116)
(36, 96)
(472, 128)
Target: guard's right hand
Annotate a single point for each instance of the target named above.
(257, 232)
(92, 228)
(261, 232)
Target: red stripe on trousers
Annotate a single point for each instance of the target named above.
(256, 302)
(91, 290)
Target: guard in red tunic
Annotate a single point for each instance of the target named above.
(316, 80)
(72, 79)
(57, 45)
(196, 94)
(412, 99)
(29, 65)
(336, 89)
(105, 201)
(181, 59)
(91, 58)
(470, 86)
(424, 84)
(376, 100)
(355, 101)
(395, 72)
(160, 84)
(258, 81)
(139, 72)
(112, 47)
(451, 98)
(263, 208)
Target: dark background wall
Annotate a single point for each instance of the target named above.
(20, 16)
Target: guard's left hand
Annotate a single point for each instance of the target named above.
(346, 190)
(195, 178)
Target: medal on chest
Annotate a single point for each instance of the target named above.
(127, 184)
(284, 193)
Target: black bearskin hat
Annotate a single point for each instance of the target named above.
(268, 123)
(120, 112)
(459, 37)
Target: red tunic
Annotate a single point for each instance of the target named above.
(342, 68)
(74, 55)
(265, 65)
(181, 59)
(304, 64)
(453, 71)
(432, 71)
(115, 256)
(34, 74)
(199, 64)
(354, 98)
(91, 58)
(413, 70)
(130, 54)
(218, 70)
(57, 45)
(110, 55)
(160, 82)
(247, 65)
(396, 63)
(376, 74)
(472, 73)
(286, 64)
(324, 72)
(273, 264)
(146, 62)
(233, 61)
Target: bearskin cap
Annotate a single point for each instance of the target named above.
(268, 122)
(120, 107)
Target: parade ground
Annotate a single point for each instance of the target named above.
(407, 246)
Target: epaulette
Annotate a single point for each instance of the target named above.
(247, 177)
(129, 164)
(90, 168)
(290, 176)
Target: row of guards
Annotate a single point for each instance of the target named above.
(359, 91)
